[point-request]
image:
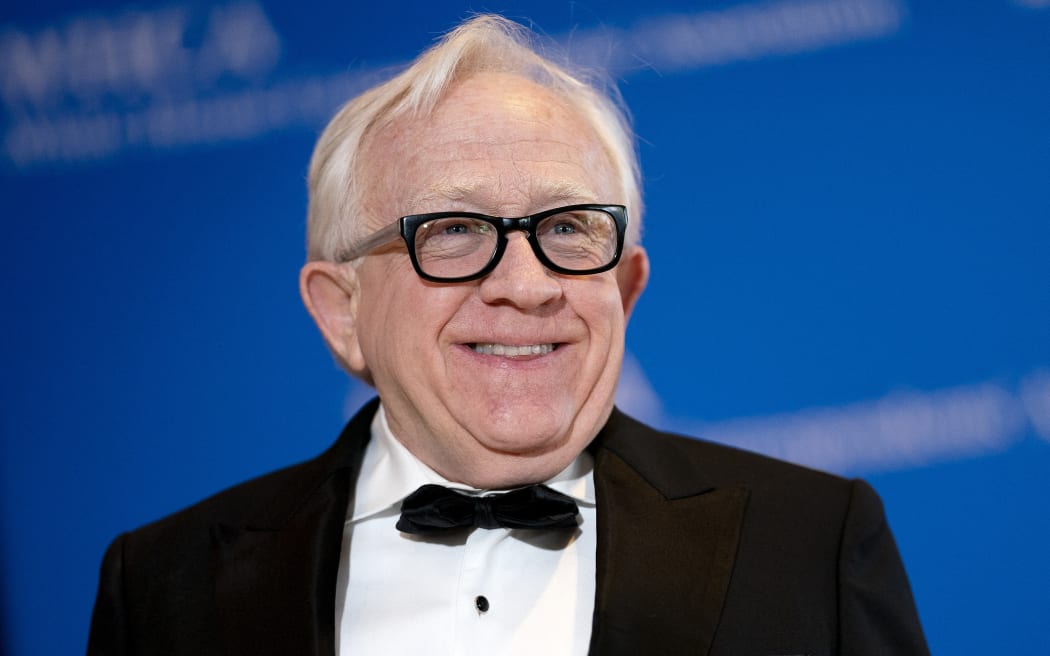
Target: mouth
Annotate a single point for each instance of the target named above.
(509, 350)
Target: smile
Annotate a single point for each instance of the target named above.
(511, 351)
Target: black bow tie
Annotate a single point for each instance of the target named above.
(434, 508)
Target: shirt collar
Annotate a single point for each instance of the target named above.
(389, 473)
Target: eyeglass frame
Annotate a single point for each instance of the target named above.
(406, 227)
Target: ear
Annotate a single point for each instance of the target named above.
(330, 292)
(632, 274)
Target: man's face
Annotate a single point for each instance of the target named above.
(500, 145)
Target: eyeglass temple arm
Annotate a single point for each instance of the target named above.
(375, 240)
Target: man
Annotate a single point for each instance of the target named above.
(495, 346)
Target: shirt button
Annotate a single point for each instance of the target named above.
(481, 603)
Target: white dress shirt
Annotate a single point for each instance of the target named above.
(483, 591)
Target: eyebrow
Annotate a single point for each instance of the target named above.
(555, 191)
(447, 191)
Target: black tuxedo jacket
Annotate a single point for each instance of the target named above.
(702, 549)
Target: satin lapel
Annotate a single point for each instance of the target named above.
(275, 589)
(666, 547)
(276, 575)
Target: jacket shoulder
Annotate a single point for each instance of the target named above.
(678, 464)
(267, 501)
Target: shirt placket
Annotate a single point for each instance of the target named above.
(477, 611)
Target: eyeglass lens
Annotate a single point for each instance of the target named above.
(577, 240)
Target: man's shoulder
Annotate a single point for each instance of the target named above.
(262, 499)
(268, 500)
(783, 498)
(657, 453)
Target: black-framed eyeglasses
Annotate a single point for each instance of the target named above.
(460, 246)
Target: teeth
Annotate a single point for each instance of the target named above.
(511, 351)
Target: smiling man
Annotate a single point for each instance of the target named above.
(504, 379)
(474, 254)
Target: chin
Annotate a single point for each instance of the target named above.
(509, 471)
(513, 444)
(515, 461)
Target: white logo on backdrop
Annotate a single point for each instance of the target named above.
(738, 33)
(900, 430)
(92, 87)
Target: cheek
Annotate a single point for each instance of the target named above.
(379, 324)
(402, 322)
(602, 311)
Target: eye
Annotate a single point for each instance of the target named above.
(564, 229)
(459, 227)
(452, 228)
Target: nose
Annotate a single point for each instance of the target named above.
(520, 279)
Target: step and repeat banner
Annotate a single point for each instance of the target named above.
(848, 215)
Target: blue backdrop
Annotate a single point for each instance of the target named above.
(848, 217)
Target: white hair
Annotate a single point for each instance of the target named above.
(485, 43)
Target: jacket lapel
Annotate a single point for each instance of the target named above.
(667, 542)
(276, 573)
(275, 588)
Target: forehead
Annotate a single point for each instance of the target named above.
(495, 142)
